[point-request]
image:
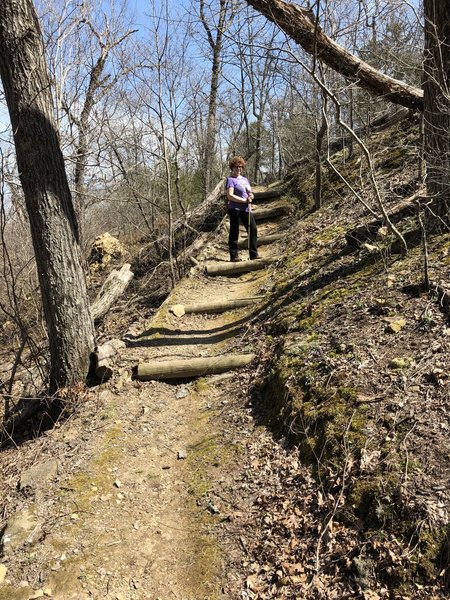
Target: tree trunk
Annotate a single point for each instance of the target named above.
(49, 204)
(300, 25)
(320, 135)
(437, 104)
(216, 47)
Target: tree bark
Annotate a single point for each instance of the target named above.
(48, 200)
(437, 104)
(300, 25)
(194, 367)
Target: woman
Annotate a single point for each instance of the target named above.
(240, 196)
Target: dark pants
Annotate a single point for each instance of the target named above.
(237, 216)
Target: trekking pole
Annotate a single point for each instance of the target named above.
(249, 223)
(249, 207)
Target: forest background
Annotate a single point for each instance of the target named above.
(151, 100)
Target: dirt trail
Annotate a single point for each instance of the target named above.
(146, 472)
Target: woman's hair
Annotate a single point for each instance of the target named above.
(237, 161)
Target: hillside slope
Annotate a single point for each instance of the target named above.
(321, 471)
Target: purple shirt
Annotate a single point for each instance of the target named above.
(240, 185)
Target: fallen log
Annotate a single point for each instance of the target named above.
(203, 218)
(262, 214)
(212, 307)
(193, 367)
(114, 286)
(262, 241)
(232, 268)
(300, 24)
(101, 358)
(358, 235)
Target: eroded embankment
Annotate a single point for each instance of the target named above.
(358, 380)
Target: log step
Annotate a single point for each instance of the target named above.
(232, 268)
(212, 307)
(269, 195)
(262, 241)
(262, 214)
(193, 367)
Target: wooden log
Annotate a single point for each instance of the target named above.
(114, 286)
(101, 357)
(269, 195)
(238, 268)
(358, 235)
(193, 367)
(212, 307)
(261, 214)
(262, 241)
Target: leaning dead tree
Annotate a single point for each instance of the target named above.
(300, 25)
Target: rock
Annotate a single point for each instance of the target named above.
(400, 363)
(3, 571)
(37, 475)
(181, 454)
(177, 310)
(371, 249)
(394, 324)
(212, 508)
(22, 527)
(182, 393)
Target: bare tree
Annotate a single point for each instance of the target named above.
(49, 205)
(215, 35)
(85, 49)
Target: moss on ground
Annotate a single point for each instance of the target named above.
(303, 401)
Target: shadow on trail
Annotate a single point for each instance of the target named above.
(310, 281)
(170, 337)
